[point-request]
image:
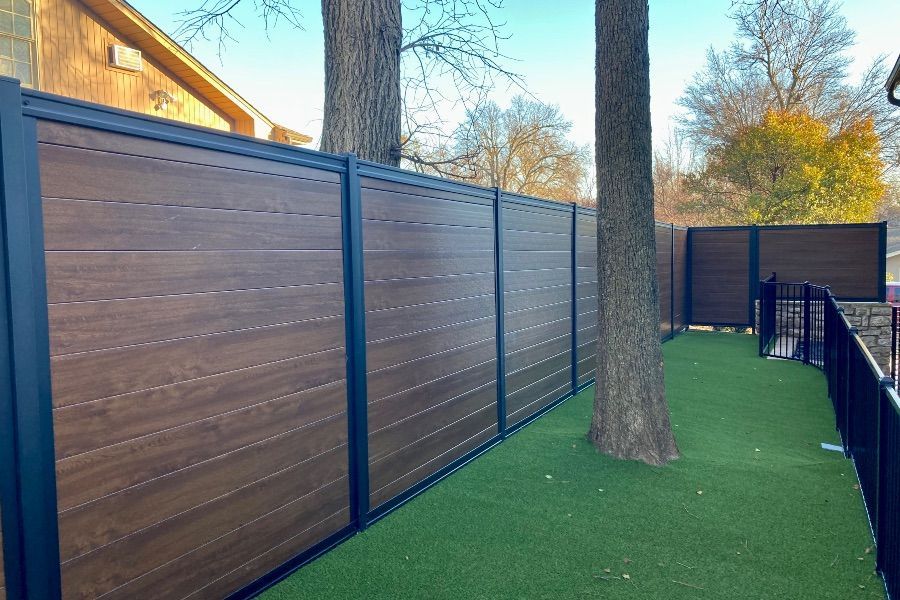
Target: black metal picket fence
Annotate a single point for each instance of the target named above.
(866, 404)
(791, 320)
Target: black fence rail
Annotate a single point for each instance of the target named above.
(895, 338)
(792, 320)
(866, 404)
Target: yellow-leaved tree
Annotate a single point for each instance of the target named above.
(790, 168)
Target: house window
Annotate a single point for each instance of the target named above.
(17, 40)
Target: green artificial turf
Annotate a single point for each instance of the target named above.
(544, 515)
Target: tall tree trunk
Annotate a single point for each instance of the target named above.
(631, 417)
(362, 78)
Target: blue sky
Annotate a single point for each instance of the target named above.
(281, 72)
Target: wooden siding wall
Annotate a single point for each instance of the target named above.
(664, 277)
(72, 61)
(537, 260)
(680, 279)
(430, 330)
(586, 336)
(846, 258)
(720, 288)
(198, 364)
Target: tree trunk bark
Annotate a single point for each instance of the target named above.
(362, 79)
(631, 417)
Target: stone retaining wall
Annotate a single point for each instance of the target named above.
(872, 319)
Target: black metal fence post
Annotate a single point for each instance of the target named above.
(848, 391)
(672, 284)
(500, 307)
(355, 332)
(807, 325)
(28, 479)
(574, 297)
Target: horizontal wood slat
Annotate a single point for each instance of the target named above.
(63, 134)
(84, 276)
(110, 226)
(82, 174)
(407, 292)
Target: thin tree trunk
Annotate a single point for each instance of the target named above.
(362, 78)
(631, 417)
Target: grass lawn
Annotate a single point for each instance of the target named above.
(544, 515)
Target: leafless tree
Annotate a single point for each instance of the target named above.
(522, 149)
(448, 45)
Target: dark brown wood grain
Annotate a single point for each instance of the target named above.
(90, 425)
(121, 561)
(399, 264)
(540, 367)
(464, 194)
(392, 489)
(89, 376)
(525, 338)
(395, 206)
(405, 404)
(84, 276)
(720, 282)
(586, 364)
(268, 560)
(514, 240)
(422, 290)
(539, 389)
(107, 519)
(528, 299)
(403, 461)
(403, 433)
(388, 323)
(532, 317)
(110, 226)
(91, 475)
(844, 258)
(528, 220)
(680, 289)
(536, 404)
(90, 175)
(532, 279)
(524, 260)
(200, 566)
(397, 350)
(85, 326)
(421, 370)
(387, 235)
(520, 359)
(63, 134)
(586, 334)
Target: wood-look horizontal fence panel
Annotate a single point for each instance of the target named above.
(198, 363)
(538, 307)
(679, 318)
(720, 287)
(431, 365)
(845, 258)
(664, 277)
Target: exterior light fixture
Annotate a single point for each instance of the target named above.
(162, 99)
(893, 84)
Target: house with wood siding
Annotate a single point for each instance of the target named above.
(107, 52)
